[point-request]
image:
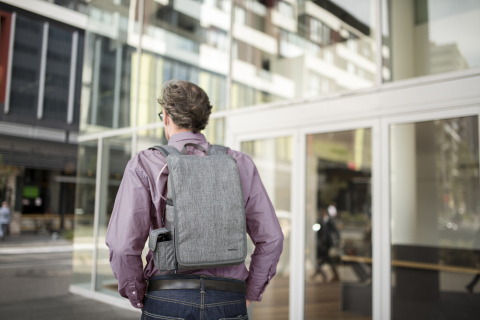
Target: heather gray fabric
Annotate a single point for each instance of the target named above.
(165, 255)
(216, 149)
(152, 240)
(207, 218)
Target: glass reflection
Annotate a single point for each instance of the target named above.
(183, 40)
(294, 49)
(338, 225)
(84, 212)
(107, 73)
(425, 37)
(273, 159)
(435, 218)
(150, 138)
(116, 153)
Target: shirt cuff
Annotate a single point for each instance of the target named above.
(136, 293)
(252, 296)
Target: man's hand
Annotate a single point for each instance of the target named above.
(248, 303)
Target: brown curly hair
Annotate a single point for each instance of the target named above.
(187, 104)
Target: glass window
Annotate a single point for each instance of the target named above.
(425, 37)
(179, 44)
(277, 45)
(150, 138)
(116, 153)
(338, 266)
(107, 90)
(273, 159)
(27, 46)
(435, 218)
(84, 212)
(215, 131)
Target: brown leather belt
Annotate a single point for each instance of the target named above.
(157, 285)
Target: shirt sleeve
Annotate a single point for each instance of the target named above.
(266, 234)
(127, 233)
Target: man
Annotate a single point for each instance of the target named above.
(332, 210)
(5, 217)
(324, 243)
(139, 206)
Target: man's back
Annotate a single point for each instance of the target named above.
(213, 293)
(142, 173)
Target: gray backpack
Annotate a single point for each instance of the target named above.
(205, 213)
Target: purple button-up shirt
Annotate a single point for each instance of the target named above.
(138, 210)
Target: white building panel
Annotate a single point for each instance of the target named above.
(212, 16)
(189, 7)
(289, 50)
(283, 22)
(169, 45)
(276, 84)
(354, 57)
(255, 38)
(52, 11)
(213, 59)
(341, 77)
(323, 15)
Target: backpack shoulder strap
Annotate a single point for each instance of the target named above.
(166, 150)
(216, 149)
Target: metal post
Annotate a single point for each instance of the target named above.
(96, 79)
(141, 9)
(378, 43)
(117, 88)
(98, 181)
(73, 73)
(10, 62)
(228, 96)
(43, 69)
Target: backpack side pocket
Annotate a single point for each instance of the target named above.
(165, 256)
(162, 245)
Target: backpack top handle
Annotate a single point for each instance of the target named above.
(184, 150)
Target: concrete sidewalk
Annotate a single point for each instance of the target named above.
(35, 274)
(63, 307)
(34, 243)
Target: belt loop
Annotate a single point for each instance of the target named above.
(202, 284)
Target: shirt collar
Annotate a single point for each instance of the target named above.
(187, 135)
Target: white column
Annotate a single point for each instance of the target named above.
(297, 223)
(403, 36)
(73, 73)
(403, 170)
(98, 181)
(11, 42)
(43, 69)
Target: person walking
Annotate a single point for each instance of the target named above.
(325, 241)
(210, 293)
(5, 217)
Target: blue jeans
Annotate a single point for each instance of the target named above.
(194, 304)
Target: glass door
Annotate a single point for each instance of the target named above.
(338, 225)
(273, 159)
(435, 217)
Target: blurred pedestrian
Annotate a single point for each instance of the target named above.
(332, 210)
(325, 241)
(5, 217)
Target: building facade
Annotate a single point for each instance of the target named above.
(366, 109)
(40, 85)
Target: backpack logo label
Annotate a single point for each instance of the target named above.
(232, 247)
